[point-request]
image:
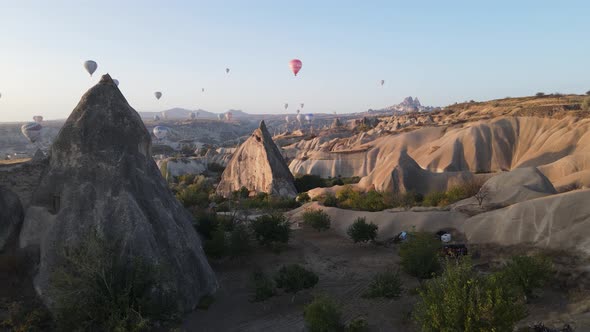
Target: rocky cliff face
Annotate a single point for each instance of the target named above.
(11, 216)
(101, 178)
(259, 166)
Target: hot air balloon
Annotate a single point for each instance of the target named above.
(197, 114)
(0, 95)
(287, 119)
(192, 115)
(302, 104)
(298, 111)
(90, 66)
(116, 81)
(309, 117)
(382, 82)
(156, 118)
(38, 118)
(295, 66)
(202, 89)
(228, 116)
(219, 116)
(286, 105)
(227, 70)
(298, 117)
(158, 95)
(160, 132)
(32, 131)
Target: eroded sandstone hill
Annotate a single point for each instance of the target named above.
(102, 179)
(259, 166)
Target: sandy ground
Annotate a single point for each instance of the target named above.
(344, 270)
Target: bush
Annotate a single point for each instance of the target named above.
(322, 315)
(303, 197)
(330, 200)
(294, 278)
(462, 300)
(370, 201)
(386, 284)
(264, 287)
(586, 104)
(206, 223)
(357, 325)
(271, 230)
(26, 317)
(419, 255)
(348, 197)
(307, 182)
(317, 219)
(360, 231)
(434, 198)
(588, 93)
(239, 241)
(95, 289)
(216, 247)
(540, 94)
(195, 195)
(527, 273)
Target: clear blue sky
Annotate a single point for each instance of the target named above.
(441, 51)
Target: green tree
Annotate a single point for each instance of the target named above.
(271, 230)
(419, 255)
(462, 300)
(361, 231)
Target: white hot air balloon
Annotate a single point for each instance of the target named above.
(0, 95)
(192, 116)
(227, 70)
(298, 111)
(309, 117)
(286, 105)
(32, 131)
(90, 66)
(202, 89)
(382, 82)
(116, 81)
(156, 118)
(299, 117)
(302, 104)
(160, 132)
(287, 119)
(228, 116)
(158, 95)
(220, 116)
(38, 118)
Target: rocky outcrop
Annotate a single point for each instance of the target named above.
(102, 179)
(259, 166)
(11, 216)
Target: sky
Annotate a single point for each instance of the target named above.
(440, 51)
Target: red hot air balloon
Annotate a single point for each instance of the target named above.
(295, 65)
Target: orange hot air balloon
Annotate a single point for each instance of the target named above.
(295, 65)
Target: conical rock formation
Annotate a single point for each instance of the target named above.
(102, 179)
(259, 166)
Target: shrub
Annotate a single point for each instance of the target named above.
(239, 241)
(196, 194)
(27, 317)
(419, 255)
(322, 315)
(370, 201)
(294, 278)
(215, 167)
(330, 200)
(307, 182)
(94, 288)
(303, 197)
(588, 93)
(317, 219)
(540, 94)
(434, 198)
(216, 247)
(347, 197)
(386, 284)
(264, 287)
(206, 223)
(586, 104)
(527, 273)
(462, 300)
(360, 231)
(357, 325)
(271, 230)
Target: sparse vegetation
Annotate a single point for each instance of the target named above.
(307, 182)
(303, 197)
(540, 94)
(482, 195)
(455, 194)
(317, 219)
(323, 315)
(419, 255)
(386, 284)
(462, 300)
(586, 104)
(27, 317)
(361, 231)
(357, 325)
(271, 230)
